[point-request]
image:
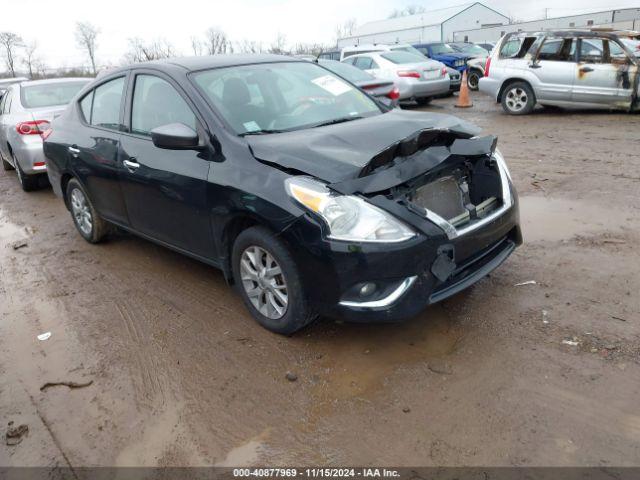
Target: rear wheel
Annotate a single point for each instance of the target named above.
(267, 278)
(423, 101)
(27, 182)
(473, 79)
(518, 99)
(90, 225)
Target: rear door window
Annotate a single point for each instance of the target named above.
(156, 103)
(592, 50)
(107, 99)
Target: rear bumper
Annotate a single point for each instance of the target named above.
(421, 89)
(490, 86)
(30, 156)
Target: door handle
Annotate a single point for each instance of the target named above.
(74, 151)
(131, 164)
(586, 69)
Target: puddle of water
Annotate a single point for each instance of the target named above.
(246, 454)
(357, 359)
(554, 219)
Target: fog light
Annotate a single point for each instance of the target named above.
(367, 289)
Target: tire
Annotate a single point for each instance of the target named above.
(82, 210)
(6, 166)
(423, 101)
(518, 99)
(27, 182)
(473, 80)
(254, 250)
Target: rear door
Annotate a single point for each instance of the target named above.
(596, 75)
(165, 190)
(555, 69)
(94, 153)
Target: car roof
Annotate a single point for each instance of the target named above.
(48, 81)
(205, 62)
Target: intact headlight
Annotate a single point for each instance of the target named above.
(348, 217)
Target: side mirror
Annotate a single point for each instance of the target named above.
(175, 136)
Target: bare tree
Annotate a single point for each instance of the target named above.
(197, 46)
(141, 51)
(314, 49)
(86, 35)
(10, 42)
(345, 29)
(279, 44)
(30, 59)
(249, 46)
(216, 41)
(410, 10)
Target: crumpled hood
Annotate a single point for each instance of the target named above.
(340, 152)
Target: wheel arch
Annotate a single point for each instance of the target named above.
(513, 80)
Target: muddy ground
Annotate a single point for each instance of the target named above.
(181, 375)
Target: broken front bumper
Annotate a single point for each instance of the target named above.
(408, 276)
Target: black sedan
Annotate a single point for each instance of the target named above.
(312, 198)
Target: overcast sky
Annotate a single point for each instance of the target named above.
(51, 23)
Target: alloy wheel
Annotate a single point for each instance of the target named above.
(264, 282)
(516, 99)
(81, 211)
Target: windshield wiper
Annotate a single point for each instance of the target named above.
(262, 132)
(336, 120)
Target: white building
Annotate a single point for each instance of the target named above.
(624, 19)
(431, 26)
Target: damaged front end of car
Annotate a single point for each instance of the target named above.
(453, 219)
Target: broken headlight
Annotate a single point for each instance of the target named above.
(348, 217)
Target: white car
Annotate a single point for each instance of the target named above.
(562, 68)
(26, 112)
(418, 78)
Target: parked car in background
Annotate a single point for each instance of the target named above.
(470, 49)
(26, 112)
(384, 90)
(330, 55)
(442, 52)
(475, 71)
(378, 47)
(562, 68)
(419, 79)
(488, 46)
(311, 197)
(455, 78)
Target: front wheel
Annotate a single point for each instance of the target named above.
(267, 278)
(473, 79)
(518, 99)
(90, 225)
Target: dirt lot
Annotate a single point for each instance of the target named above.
(181, 375)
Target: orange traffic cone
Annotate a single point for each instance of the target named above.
(463, 96)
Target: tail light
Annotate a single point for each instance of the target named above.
(486, 67)
(33, 128)
(408, 74)
(394, 94)
(444, 71)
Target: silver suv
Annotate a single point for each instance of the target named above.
(562, 68)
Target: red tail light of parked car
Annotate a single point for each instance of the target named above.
(33, 128)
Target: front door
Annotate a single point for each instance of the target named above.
(165, 191)
(596, 74)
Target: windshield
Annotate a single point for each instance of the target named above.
(274, 97)
(353, 74)
(49, 94)
(470, 48)
(441, 48)
(408, 48)
(400, 58)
